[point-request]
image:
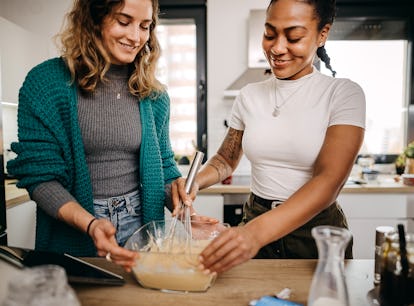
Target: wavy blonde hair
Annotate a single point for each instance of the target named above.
(88, 61)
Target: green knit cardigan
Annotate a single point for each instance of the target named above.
(50, 147)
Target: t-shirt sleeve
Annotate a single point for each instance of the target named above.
(349, 106)
(236, 118)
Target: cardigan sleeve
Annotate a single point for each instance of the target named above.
(39, 149)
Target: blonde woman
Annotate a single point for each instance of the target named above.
(94, 150)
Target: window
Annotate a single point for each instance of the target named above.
(375, 52)
(178, 70)
(182, 35)
(379, 67)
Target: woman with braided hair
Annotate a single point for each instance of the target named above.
(301, 131)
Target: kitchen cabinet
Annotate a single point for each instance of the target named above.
(21, 225)
(366, 211)
(210, 205)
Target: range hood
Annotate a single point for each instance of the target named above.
(258, 68)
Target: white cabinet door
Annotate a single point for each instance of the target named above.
(210, 205)
(365, 212)
(377, 205)
(206, 205)
(21, 225)
(363, 232)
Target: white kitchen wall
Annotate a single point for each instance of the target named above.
(20, 50)
(227, 28)
(42, 17)
(26, 31)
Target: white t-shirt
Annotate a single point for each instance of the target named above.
(282, 150)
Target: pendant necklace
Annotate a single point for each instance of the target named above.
(120, 90)
(277, 107)
(118, 80)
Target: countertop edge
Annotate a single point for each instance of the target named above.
(14, 196)
(240, 189)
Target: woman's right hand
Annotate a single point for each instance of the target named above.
(102, 233)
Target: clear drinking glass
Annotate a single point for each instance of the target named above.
(44, 285)
(328, 284)
(365, 163)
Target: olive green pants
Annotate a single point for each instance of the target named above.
(299, 243)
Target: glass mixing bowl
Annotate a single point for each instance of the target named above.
(169, 255)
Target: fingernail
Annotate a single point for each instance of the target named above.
(206, 272)
(200, 267)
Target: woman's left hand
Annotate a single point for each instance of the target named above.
(232, 247)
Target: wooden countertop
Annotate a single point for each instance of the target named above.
(249, 281)
(14, 195)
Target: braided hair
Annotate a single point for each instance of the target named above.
(321, 53)
(325, 12)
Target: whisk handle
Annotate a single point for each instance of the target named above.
(195, 165)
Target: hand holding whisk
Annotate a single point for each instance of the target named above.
(185, 210)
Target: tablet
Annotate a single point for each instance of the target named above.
(77, 270)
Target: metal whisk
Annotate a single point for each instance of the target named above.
(195, 166)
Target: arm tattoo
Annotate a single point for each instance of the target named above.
(231, 146)
(228, 154)
(221, 167)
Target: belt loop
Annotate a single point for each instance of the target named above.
(110, 207)
(128, 204)
(269, 204)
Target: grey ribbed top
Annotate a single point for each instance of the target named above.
(111, 132)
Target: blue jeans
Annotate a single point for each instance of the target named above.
(124, 212)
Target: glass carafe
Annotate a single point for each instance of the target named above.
(328, 284)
